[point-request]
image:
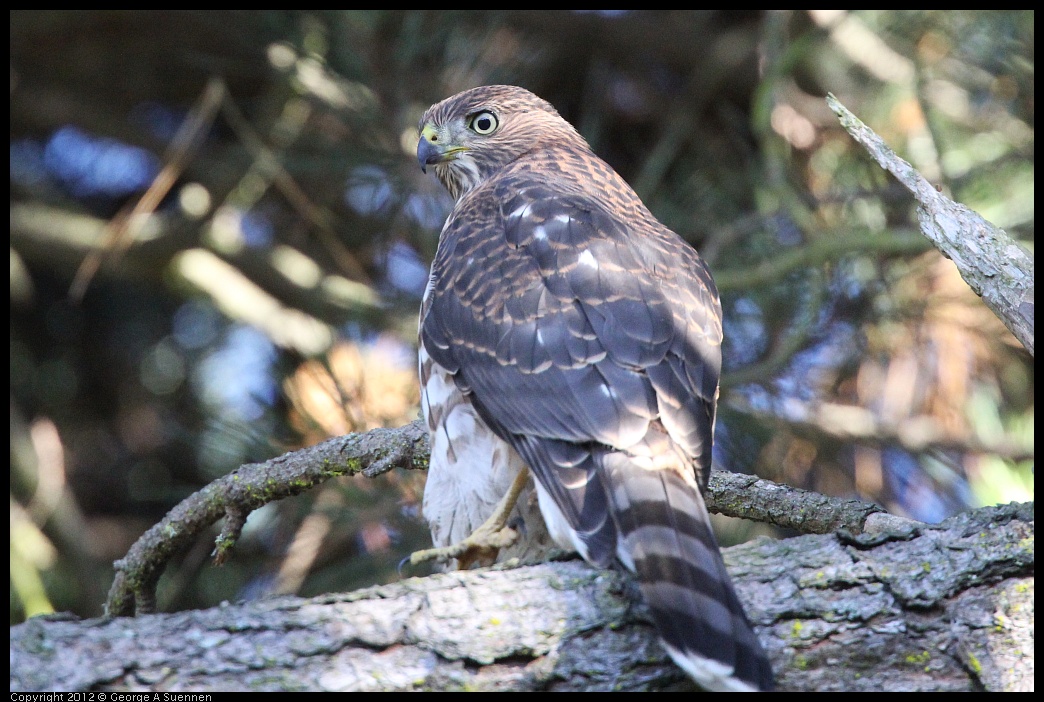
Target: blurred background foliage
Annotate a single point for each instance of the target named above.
(220, 236)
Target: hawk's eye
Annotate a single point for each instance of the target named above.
(484, 123)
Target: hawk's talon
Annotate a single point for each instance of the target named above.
(482, 546)
(485, 543)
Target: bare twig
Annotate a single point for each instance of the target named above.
(120, 232)
(244, 490)
(827, 246)
(750, 497)
(267, 163)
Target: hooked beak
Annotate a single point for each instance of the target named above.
(427, 153)
(434, 147)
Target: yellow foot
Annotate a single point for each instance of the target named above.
(481, 547)
(485, 542)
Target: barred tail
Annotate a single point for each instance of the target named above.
(665, 537)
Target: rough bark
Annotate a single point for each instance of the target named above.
(946, 607)
(993, 264)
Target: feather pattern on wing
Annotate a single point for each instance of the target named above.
(587, 336)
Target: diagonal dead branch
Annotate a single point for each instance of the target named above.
(993, 264)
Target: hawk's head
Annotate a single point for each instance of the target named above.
(472, 135)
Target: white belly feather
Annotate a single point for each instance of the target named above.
(471, 469)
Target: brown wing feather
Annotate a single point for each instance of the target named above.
(587, 336)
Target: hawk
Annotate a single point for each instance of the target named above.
(565, 333)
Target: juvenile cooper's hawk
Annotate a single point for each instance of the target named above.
(566, 330)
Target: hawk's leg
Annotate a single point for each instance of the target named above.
(485, 542)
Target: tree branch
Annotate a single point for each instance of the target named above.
(996, 267)
(236, 495)
(941, 608)
(827, 247)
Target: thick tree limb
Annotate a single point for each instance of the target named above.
(993, 264)
(947, 607)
